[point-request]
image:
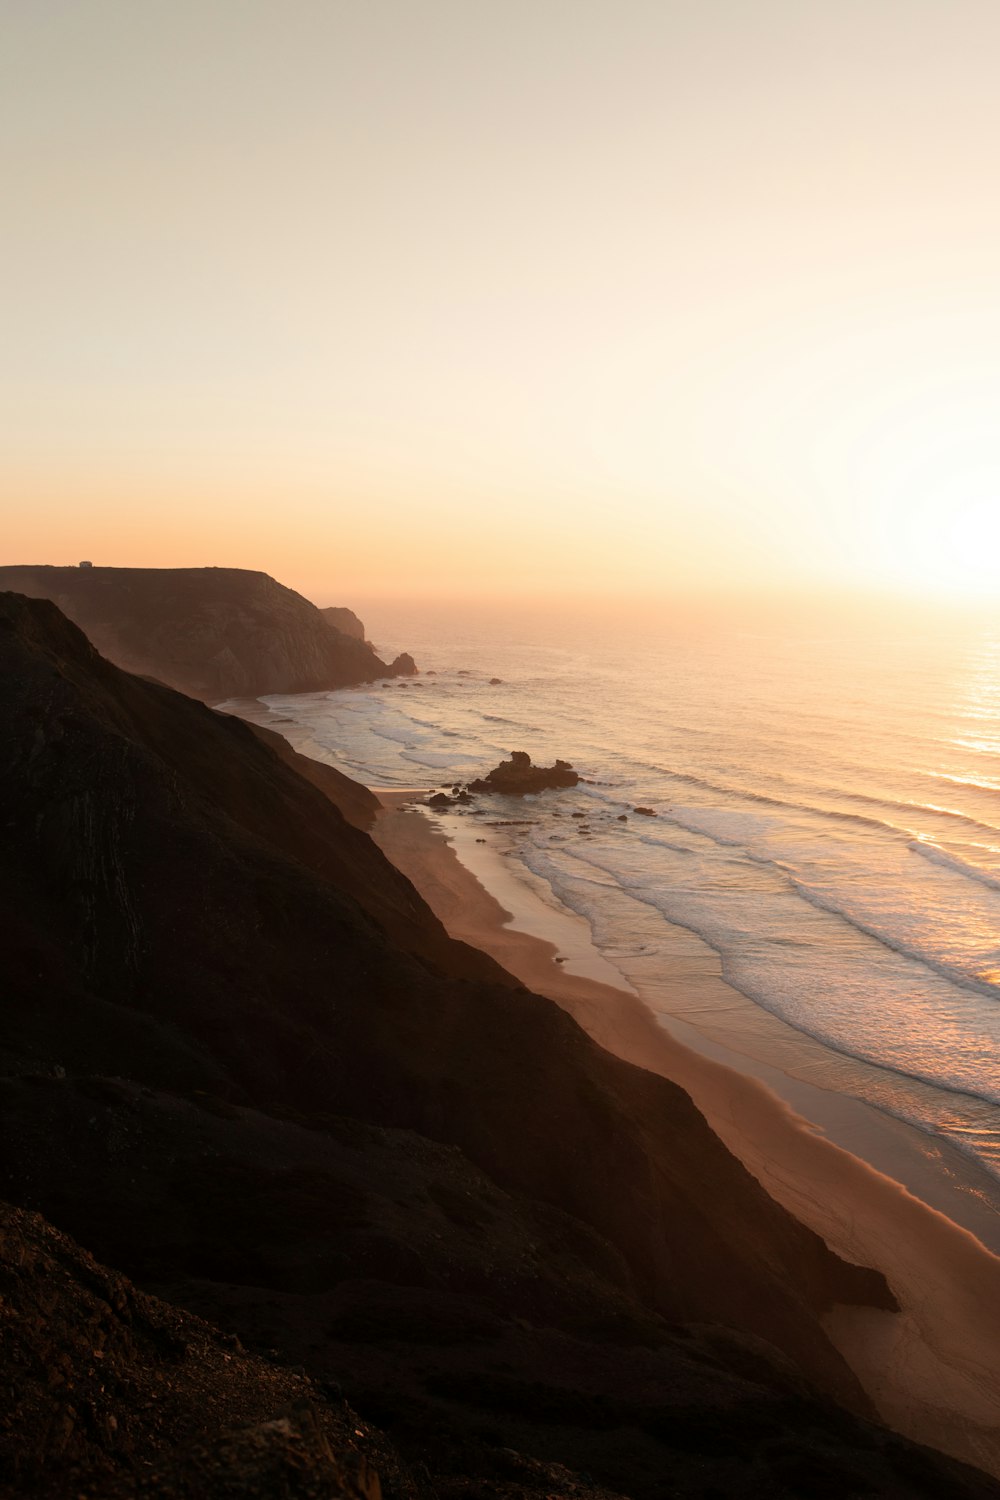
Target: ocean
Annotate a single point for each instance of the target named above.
(826, 829)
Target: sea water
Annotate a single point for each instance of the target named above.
(827, 823)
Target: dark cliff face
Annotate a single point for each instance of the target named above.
(214, 633)
(241, 1060)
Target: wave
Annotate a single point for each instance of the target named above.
(953, 975)
(655, 843)
(768, 799)
(941, 857)
(410, 719)
(971, 782)
(867, 820)
(860, 1049)
(403, 738)
(435, 760)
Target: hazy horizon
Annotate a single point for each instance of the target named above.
(636, 302)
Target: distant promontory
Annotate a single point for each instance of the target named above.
(344, 620)
(212, 633)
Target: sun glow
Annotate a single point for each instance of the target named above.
(678, 325)
(941, 530)
(923, 481)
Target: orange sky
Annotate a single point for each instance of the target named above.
(448, 297)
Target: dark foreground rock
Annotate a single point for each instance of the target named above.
(516, 776)
(115, 1394)
(242, 1063)
(212, 632)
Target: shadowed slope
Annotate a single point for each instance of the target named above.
(193, 915)
(355, 801)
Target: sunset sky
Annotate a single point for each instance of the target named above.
(460, 297)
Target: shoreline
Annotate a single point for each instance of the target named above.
(933, 1369)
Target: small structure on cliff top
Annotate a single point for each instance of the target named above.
(516, 776)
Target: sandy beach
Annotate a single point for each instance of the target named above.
(933, 1369)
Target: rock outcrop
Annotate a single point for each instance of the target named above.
(213, 633)
(244, 1065)
(516, 776)
(403, 665)
(344, 620)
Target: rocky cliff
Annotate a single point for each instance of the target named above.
(344, 620)
(243, 1064)
(214, 633)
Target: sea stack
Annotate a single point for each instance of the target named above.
(517, 776)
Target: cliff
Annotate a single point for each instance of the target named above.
(243, 1064)
(213, 633)
(344, 620)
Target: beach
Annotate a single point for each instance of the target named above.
(932, 1369)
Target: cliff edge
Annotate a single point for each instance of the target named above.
(213, 633)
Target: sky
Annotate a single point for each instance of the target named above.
(460, 298)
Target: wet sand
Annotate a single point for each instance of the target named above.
(933, 1369)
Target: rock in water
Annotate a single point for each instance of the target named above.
(516, 776)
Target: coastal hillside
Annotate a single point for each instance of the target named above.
(344, 620)
(213, 633)
(242, 1064)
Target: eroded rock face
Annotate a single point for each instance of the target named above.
(516, 776)
(214, 633)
